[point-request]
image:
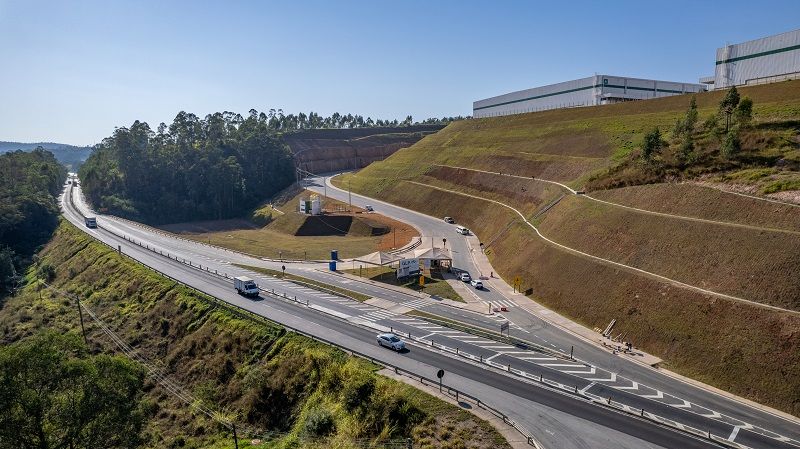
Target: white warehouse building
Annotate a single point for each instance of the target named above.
(760, 61)
(591, 91)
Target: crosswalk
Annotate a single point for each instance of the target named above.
(500, 303)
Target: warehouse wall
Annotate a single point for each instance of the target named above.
(580, 92)
(759, 61)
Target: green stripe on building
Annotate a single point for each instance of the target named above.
(758, 55)
(649, 89)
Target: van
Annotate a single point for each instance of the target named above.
(90, 222)
(245, 286)
(462, 230)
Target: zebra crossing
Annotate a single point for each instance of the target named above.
(499, 303)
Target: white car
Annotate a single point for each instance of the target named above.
(477, 284)
(465, 277)
(449, 220)
(391, 341)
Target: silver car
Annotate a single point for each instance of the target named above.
(391, 341)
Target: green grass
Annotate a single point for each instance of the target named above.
(435, 286)
(268, 378)
(308, 282)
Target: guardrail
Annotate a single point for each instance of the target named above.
(530, 377)
(247, 314)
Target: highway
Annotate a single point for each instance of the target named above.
(353, 324)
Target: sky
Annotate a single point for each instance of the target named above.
(72, 71)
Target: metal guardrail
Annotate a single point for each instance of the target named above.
(540, 379)
(247, 314)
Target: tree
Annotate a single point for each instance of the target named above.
(732, 143)
(53, 394)
(653, 143)
(728, 105)
(744, 111)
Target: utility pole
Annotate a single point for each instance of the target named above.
(80, 314)
(349, 195)
(325, 194)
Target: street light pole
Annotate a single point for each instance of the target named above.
(349, 196)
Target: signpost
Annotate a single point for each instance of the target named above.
(440, 374)
(517, 284)
(504, 327)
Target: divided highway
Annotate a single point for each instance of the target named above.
(353, 325)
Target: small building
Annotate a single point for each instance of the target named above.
(760, 61)
(591, 91)
(311, 205)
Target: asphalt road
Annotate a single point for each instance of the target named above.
(474, 377)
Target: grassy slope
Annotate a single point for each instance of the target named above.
(713, 340)
(270, 379)
(277, 238)
(436, 286)
(693, 200)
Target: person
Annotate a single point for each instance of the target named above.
(491, 274)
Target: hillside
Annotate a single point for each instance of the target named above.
(71, 156)
(330, 150)
(697, 262)
(282, 388)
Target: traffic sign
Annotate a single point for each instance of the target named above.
(504, 327)
(440, 373)
(422, 281)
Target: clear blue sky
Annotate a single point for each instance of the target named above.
(72, 71)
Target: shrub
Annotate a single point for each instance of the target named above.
(319, 422)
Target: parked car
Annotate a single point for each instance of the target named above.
(391, 341)
(449, 220)
(369, 208)
(462, 230)
(465, 277)
(477, 284)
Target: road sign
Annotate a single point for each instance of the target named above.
(422, 281)
(440, 373)
(504, 327)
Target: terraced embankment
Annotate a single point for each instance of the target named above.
(635, 261)
(297, 392)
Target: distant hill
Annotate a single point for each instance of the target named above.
(70, 155)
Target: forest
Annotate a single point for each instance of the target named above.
(193, 169)
(217, 167)
(31, 181)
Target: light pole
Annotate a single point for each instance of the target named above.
(349, 196)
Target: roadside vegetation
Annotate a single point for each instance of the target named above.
(435, 284)
(283, 390)
(29, 185)
(278, 230)
(703, 144)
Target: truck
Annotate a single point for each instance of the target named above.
(91, 222)
(245, 286)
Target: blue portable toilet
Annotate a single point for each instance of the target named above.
(334, 254)
(332, 265)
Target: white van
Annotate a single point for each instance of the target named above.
(462, 230)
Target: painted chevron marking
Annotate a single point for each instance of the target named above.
(634, 386)
(685, 404)
(658, 395)
(612, 378)
(713, 415)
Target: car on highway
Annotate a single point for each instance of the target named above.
(465, 277)
(369, 208)
(477, 284)
(462, 230)
(449, 220)
(391, 341)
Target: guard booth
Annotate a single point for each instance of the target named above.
(434, 259)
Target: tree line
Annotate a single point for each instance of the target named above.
(212, 168)
(30, 183)
(279, 121)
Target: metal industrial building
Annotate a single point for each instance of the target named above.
(760, 61)
(591, 91)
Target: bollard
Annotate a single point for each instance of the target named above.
(509, 367)
(456, 349)
(481, 356)
(643, 412)
(540, 377)
(576, 389)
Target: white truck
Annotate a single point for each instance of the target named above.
(245, 286)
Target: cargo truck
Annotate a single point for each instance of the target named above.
(245, 286)
(91, 222)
